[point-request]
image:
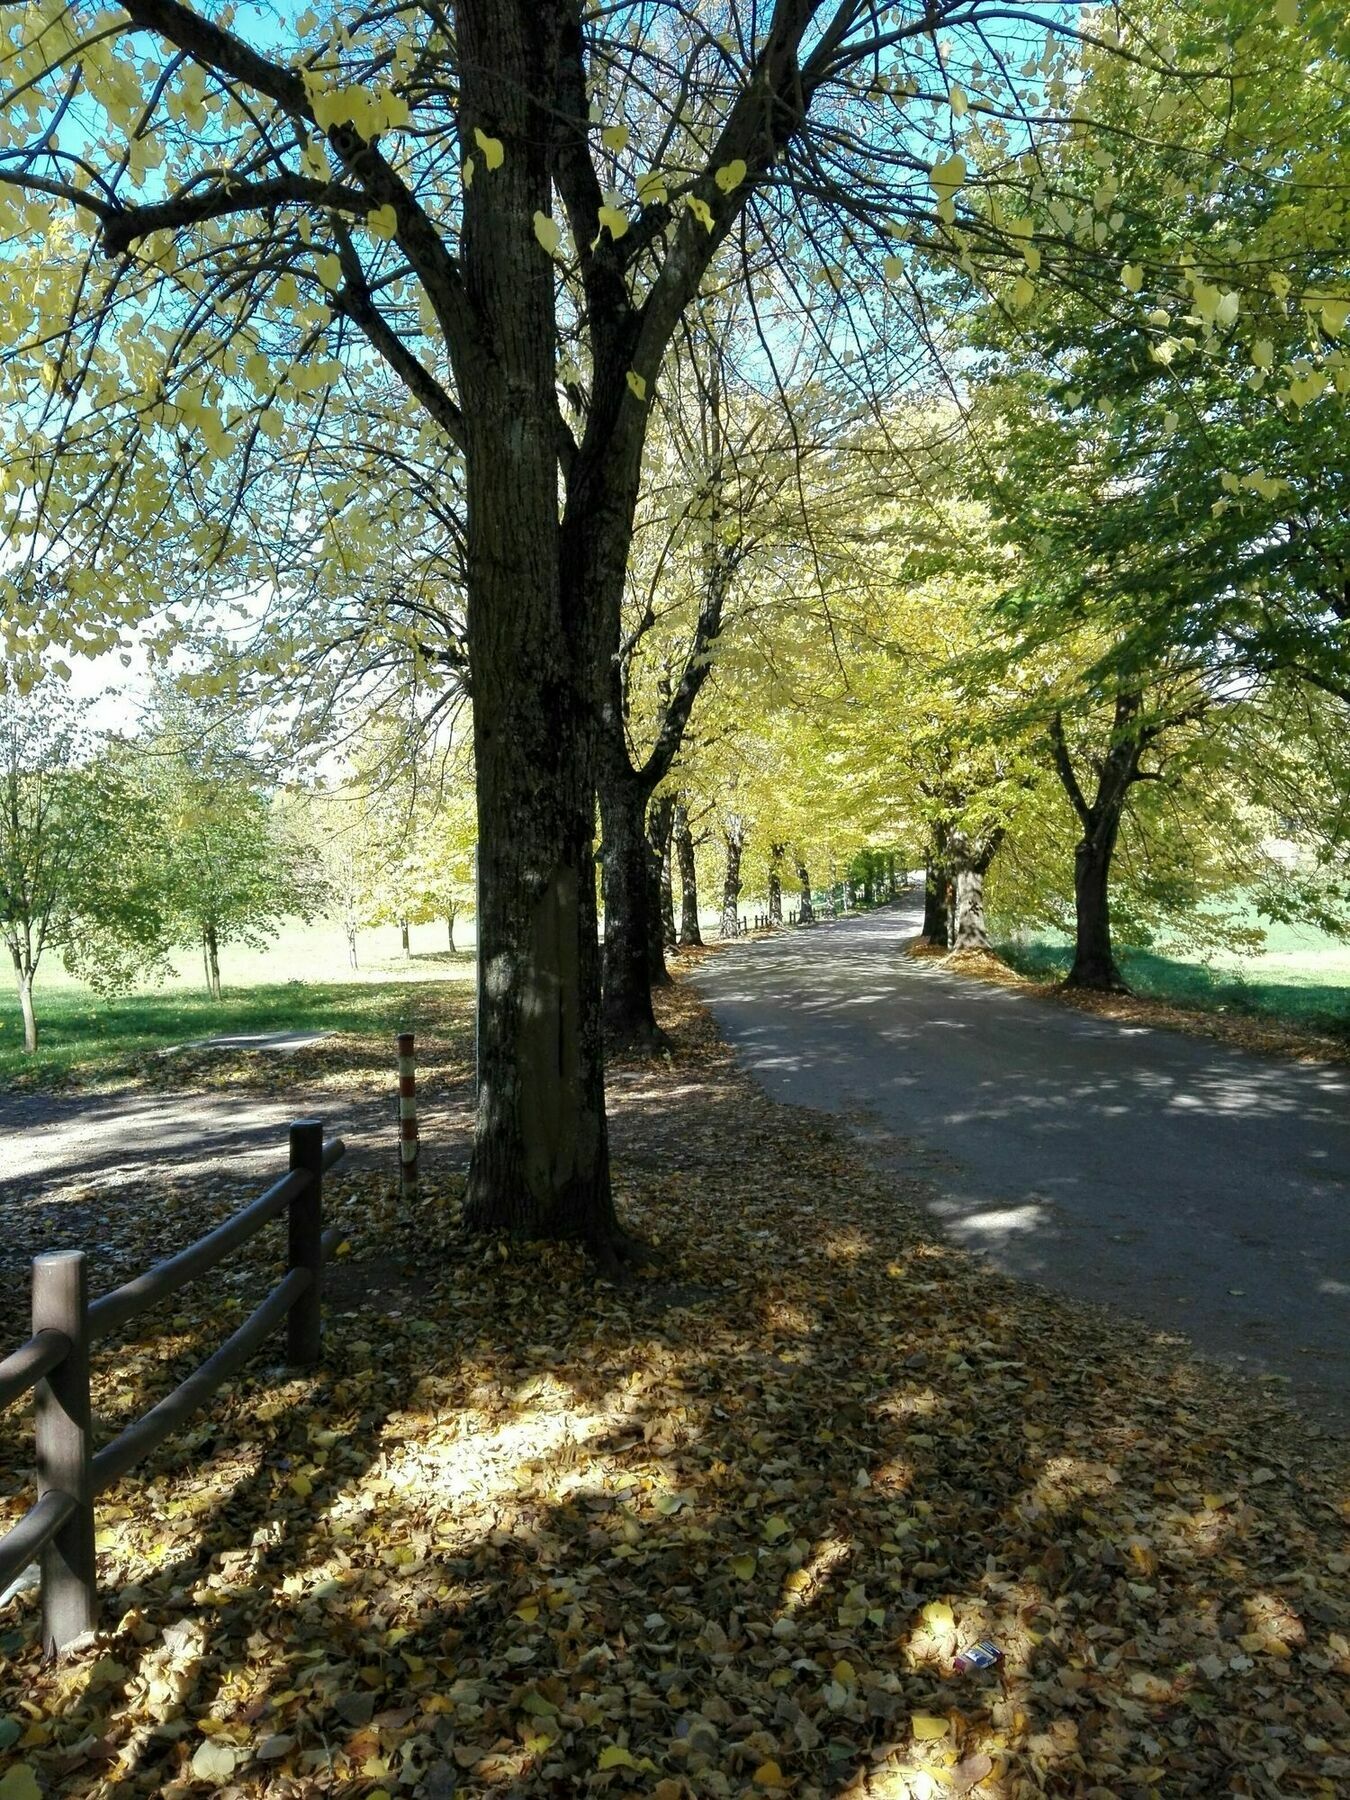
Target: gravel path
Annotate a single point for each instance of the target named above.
(1198, 1187)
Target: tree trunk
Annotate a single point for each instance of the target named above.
(733, 838)
(970, 864)
(632, 915)
(540, 1165)
(669, 934)
(776, 885)
(661, 902)
(892, 884)
(936, 911)
(403, 934)
(211, 960)
(450, 926)
(351, 946)
(806, 913)
(683, 839)
(24, 977)
(1094, 962)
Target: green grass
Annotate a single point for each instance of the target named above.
(1301, 978)
(301, 983)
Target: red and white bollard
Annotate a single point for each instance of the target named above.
(407, 1117)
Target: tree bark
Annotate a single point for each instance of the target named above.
(733, 839)
(450, 926)
(936, 904)
(403, 933)
(669, 932)
(970, 863)
(211, 960)
(892, 884)
(350, 931)
(684, 856)
(661, 910)
(632, 909)
(806, 913)
(776, 884)
(1094, 962)
(24, 977)
(540, 1165)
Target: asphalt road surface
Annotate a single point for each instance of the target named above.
(1203, 1189)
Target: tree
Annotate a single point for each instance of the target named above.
(77, 850)
(232, 873)
(390, 202)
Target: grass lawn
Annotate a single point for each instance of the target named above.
(1301, 978)
(302, 982)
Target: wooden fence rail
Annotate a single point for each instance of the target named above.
(58, 1530)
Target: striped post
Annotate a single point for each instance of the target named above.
(407, 1117)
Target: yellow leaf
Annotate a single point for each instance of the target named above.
(730, 176)
(893, 267)
(845, 1673)
(614, 1756)
(301, 1485)
(927, 1726)
(615, 137)
(938, 1616)
(546, 230)
(701, 210)
(329, 269)
(494, 155)
(775, 1528)
(1023, 293)
(1132, 274)
(466, 173)
(743, 1567)
(382, 222)
(651, 188)
(527, 1611)
(1335, 313)
(665, 1503)
(768, 1774)
(613, 220)
(947, 175)
(958, 103)
(1286, 11)
(20, 1784)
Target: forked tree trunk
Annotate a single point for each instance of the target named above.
(1094, 962)
(971, 860)
(733, 839)
(683, 839)
(806, 913)
(540, 1165)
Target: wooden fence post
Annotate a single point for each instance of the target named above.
(407, 1116)
(304, 1324)
(64, 1449)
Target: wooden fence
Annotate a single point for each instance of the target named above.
(58, 1531)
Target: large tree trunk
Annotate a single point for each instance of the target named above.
(970, 862)
(733, 839)
(1094, 962)
(632, 915)
(670, 936)
(936, 909)
(540, 1165)
(684, 855)
(806, 913)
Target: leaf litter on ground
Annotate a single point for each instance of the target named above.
(720, 1532)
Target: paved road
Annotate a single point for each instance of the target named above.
(1203, 1189)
